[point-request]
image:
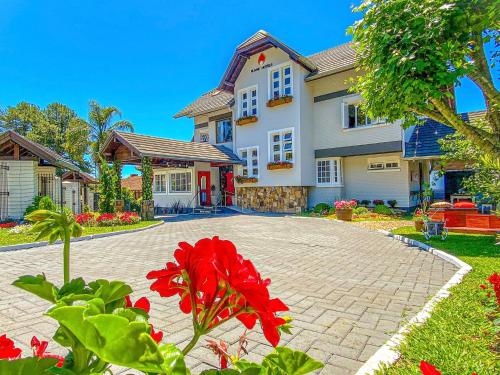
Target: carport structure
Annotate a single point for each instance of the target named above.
(194, 174)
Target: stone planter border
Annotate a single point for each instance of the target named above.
(246, 120)
(280, 165)
(279, 101)
(388, 354)
(78, 239)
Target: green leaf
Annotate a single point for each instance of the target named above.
(27, 366)
(116, 340)
(110, 291)
(221, 372)
(75, 286)
(247, 368)
(289, 362)
(37, 285)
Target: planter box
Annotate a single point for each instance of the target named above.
(419, 225)
(273, 166)
(246, 120)
(482, 221)
(344, 214)
(279, 101)
(246, 180)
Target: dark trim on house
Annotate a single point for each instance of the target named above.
(373, 148)
(330, 95)
(224, 116)
(201, 126)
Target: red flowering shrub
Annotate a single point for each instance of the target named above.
(8, 349)
(377, 202)
(10, 224)
(216, 284)
(120, 218)
(87, 219)
(39, 348)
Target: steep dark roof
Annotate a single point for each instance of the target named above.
(424, 140)
(38, 150)
(157, 147)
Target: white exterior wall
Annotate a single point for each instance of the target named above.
(71, 196)
(362, 184)
(328, 128)
(22, 185)
(211, 129)
(324, 195)
(270, 119)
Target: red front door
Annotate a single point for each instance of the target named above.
(229, 188)
(204, 188)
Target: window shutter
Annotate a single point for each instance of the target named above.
(344, 108)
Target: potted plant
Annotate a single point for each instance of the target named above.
(279, 165)
(246, 179)
(418, 219)
(279, 100)
(343, 209)
(392, 203)
(246, 120)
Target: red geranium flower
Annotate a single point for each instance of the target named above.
(482, 286)
(156, 335)
(142, 303)
(39, 348)
(215, 283)
(220, 350)
(7, 349)
(428, 369)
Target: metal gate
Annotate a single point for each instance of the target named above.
(4, 191)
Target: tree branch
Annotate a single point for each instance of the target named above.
(479, 136)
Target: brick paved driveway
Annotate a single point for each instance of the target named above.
(348, 288)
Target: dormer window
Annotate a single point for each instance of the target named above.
(281, 82)
(248, 102)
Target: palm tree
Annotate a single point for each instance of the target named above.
(101, 125)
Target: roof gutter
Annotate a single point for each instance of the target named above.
(329, 73)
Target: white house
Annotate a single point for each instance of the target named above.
(281, 133)
(302, 137)
(28, 169)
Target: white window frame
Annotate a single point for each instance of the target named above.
(270, 144)
(249, 159)
(356, 101)
(335, 171)
(384, 164)
(281, 79)
(204, 134)
(248, 91)
(164, 190)
(177, 171)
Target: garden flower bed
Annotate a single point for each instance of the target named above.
(92, 219)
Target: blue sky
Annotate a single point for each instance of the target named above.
(151, 58)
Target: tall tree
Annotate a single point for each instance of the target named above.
(102, 124)
(22, 118)
(411, 53)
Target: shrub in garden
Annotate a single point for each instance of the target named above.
(377, 202)
(321, 207)
(392, 203)
(382, 210)
(87, 219)
(365, 202)
(360, 211)
(101, 326)
(8, 224)
(40, 202)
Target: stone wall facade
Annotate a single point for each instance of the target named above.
(286, 199)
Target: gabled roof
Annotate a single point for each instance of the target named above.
(333, 60)
(211, 101)
(133, 182)
(79, 176)
(163, 148)
(37, 150)
(424, 140)
(321, 64)
(258, 42)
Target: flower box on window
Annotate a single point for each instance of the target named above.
(246, 180)
(279, 165)
(246, 120)
(279, 101)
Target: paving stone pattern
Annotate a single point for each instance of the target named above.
(348, 289)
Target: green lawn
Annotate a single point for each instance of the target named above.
(7, 238)
(458, 338)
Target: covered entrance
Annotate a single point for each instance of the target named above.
(186, 176)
